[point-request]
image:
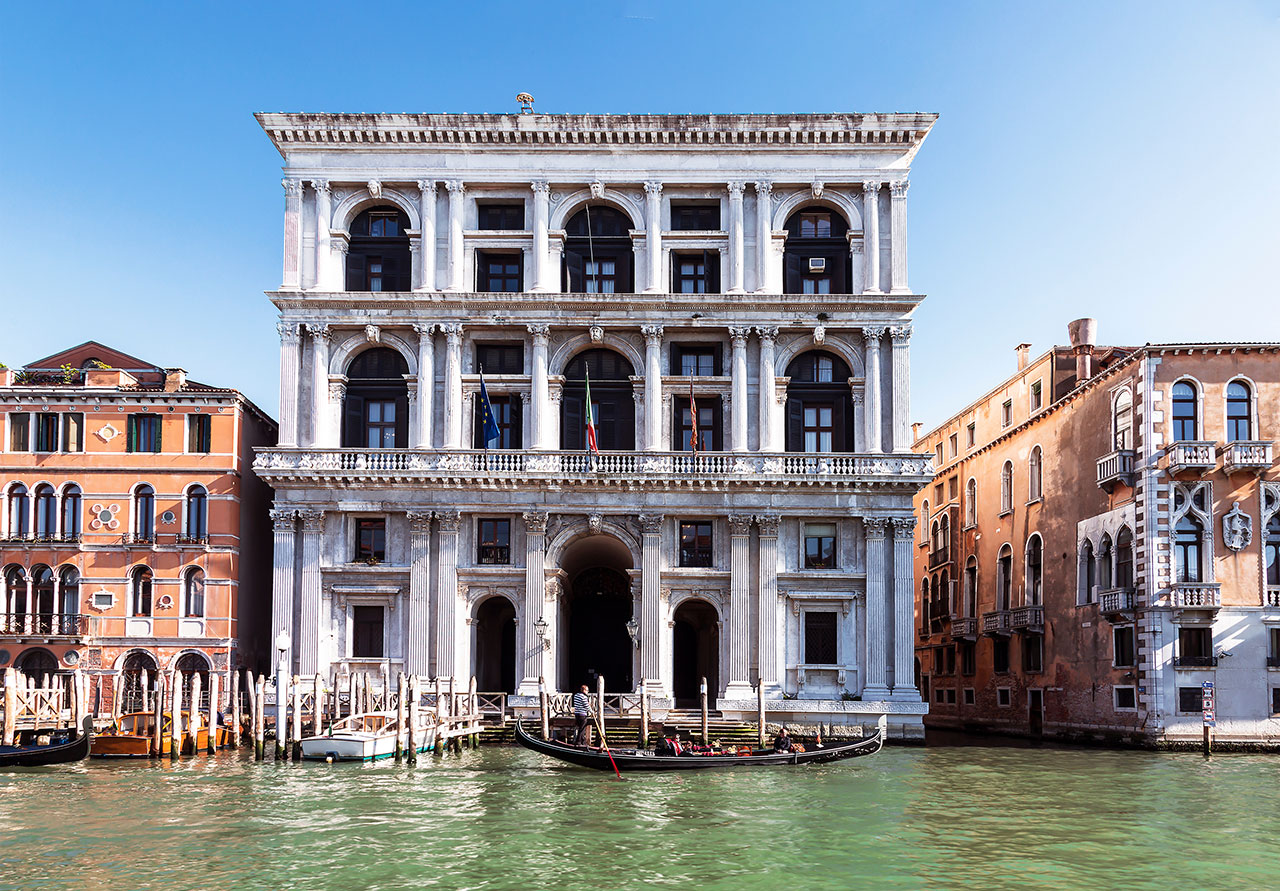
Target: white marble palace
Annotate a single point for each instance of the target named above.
(738, 281)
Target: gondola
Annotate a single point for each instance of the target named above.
(65, 746)
(631, 760)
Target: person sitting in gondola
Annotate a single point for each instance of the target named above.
(782, 742)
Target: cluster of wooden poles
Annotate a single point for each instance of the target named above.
(29, 706)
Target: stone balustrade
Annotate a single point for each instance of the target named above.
(965, 627)
(1026, 618)
(1248, 456)
(1192, 455)
(996, 622)
(1196, 595)
(1273, 596)
(1116, 600)
(1116, 467)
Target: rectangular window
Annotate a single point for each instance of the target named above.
(46, 432)
(1003, 699)
(695, 217)
(19, 431)
(73, 432)
(969, 697)
(818, 428)
(815, 277)
(1195, 647)
(1275, 700)
(696, 361)
(937, 452)
(383, 225)
(1000, 655)
(695, 544)
(601, 276)
(953, 488)
(494, 542)
(971, 435)
(1122, 645)
(366, 641)
(1273, 651)
(820, 638)
(200, 434)
(937, 494)
(1006, 413)
(968, 659)
(500, 358)
(1190, 700)
(815, 225)
(508, 217)
(373, 271)
(1037, 396)
(819, 545)
(371, 540)
(1033, 652)
(939, 695)
(498, 272)
(144, 433)
(955, 444)
(506, 414)
(708, 431)
(695, 273)
(1126, 699)
(380, 424)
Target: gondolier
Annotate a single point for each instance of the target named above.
(581, 715)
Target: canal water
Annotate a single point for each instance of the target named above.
(936, 817)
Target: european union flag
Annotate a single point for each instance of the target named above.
(488, 422)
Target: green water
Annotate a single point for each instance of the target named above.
(971, 816)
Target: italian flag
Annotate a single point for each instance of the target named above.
(592, 445)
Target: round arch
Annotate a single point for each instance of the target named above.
(575, 201)
(132, 659)
(803, 344)
(571, 534)
(837, 201)
(565, 352)
(343, 354)
(35, 662)
(495, 619)
(353, 205)
(695, 650)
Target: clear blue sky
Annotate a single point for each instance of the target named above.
(1109, 159)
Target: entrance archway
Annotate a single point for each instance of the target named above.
(696, 652)
(38, 664)
(594, 616)
(134, 697)
(496, 646)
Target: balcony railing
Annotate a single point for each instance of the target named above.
(996, 622)
(514, 467)
(1248, 455)
(1116, 600)
(964, 626)
(38, 538)
(1114, 468)
(138, 538)
(940, 557)
(192, 539)
(1273, 595)
(44, 625)
(1189, 455)
(1027, 618)
(1195, 661)
(1195, 595)
(495, 554)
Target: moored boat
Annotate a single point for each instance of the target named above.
(133, 736)
(37, 748)
(367, 737)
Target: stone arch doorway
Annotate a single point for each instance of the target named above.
(38, 664)
(594, 615)
(496, 646)
(696, 653)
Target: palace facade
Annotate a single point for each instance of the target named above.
(1102, 539)
(747, 270)
(134, 537)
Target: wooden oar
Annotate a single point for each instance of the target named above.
(604, 744)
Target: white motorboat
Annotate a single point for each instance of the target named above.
(368, 737)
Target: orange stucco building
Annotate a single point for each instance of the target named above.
(135, 536)
(1101, 539)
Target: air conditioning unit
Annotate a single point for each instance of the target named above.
(817, 264)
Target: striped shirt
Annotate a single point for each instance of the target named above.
(581, 704)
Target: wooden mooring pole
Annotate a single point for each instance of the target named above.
(193, 721)
(10, 705)
(175, 716)
(317, 705)
(235, 709)
(295, 750)
(644, 717)
(473, 709)
(157, 730)
(702, 695)
(213, 712)
(440, 724)
(760, 713)
(599, 705)
(415, 718)
(543, 710)
(401, 717)
(259, 718)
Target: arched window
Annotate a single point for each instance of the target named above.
(816, 258)
(1122, 421)
(1186, 410)
(378, 256)
(376, 406)
(197, 518)
(924, 604)
(598, 255)
(1035, 482)
(971, 588)
(819, 404)
(71, 507)
(1088, 573)
(1004, 577)
(193, 593)
(1124, 558)
(46, 504)
(69, 592)
(935, 539)
(15, 595)
(19, 512)
(1239, 412)
(188, 666)
(971, 503)
(613, 407)
(924, 520)
(139, 673)
(1104, 563)
(42, 598)
(140, 591)
(1033, 589)
(1271, 555)
(144, 513)
(1006, 487)
(944, 537)
(1187, 556)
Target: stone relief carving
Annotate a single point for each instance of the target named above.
(372, 334)
(816, 188)
(819, 335)
(597, 190)
(597, 334)
(1237, 528)
(283, 520)
(595, 523)
(375, 189)
(450, 520)
(419, 520)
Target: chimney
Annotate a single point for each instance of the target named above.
(915, 430)
(174, 379)
(1023, 350)
(1084, 337)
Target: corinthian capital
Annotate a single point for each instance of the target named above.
(898, 188)
(870, 189)
(292, 186)
(904, 528)
(652, 334)
(283, 520)
(873, 334)
(740, 524)
(312, 520)
(763, 187)
(650, 523)
(653, 188)
(539, 332)
(452, 332)
(419, 521)
(288, 331)
(535, 522)
(768, 333)
(739, 335)
(456, 187)
(768, 524)
(875, 526)
(900, 334)
(540, 187)
(320, 332)
(736, 189)
(427, 186)
(450, 520)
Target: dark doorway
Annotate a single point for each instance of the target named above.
(136, 665)
(496, 646)
(696, 649)
(598, 611)
(38, 664)
(1035, 706)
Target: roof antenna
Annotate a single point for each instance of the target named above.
(526, 103)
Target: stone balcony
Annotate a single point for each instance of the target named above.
(996, 623)
(1191, 455)
(1027, 618)
(1116, 467)
(46, 627)
(1273, 596)
(1116, 603)
(964, 627)
(1248, 456)
(516, 469)
(1195, 595)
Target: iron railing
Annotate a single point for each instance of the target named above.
(46, 624)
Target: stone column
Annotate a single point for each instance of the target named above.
(292, 234)
(650, 593)
(540, 392)
(738, 393)
(320, 336)
(533, 655)
(767, 605)
(871, 235)
(736, 260)
(904, 666)
(417, 651)
(652, 387)
(427, 234)
(541, 218)
(307, 641)
(764, 234)
(653, 235)
(871, 415)
(447, 594)
(898, 236)
(290, 363)
(324, 221)
(331, 423)
(456, 265)
(739, 686)
(284, 526)
(900, 374)
(422, 437)
(453, 386)
(877, 655)
(768, 339)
